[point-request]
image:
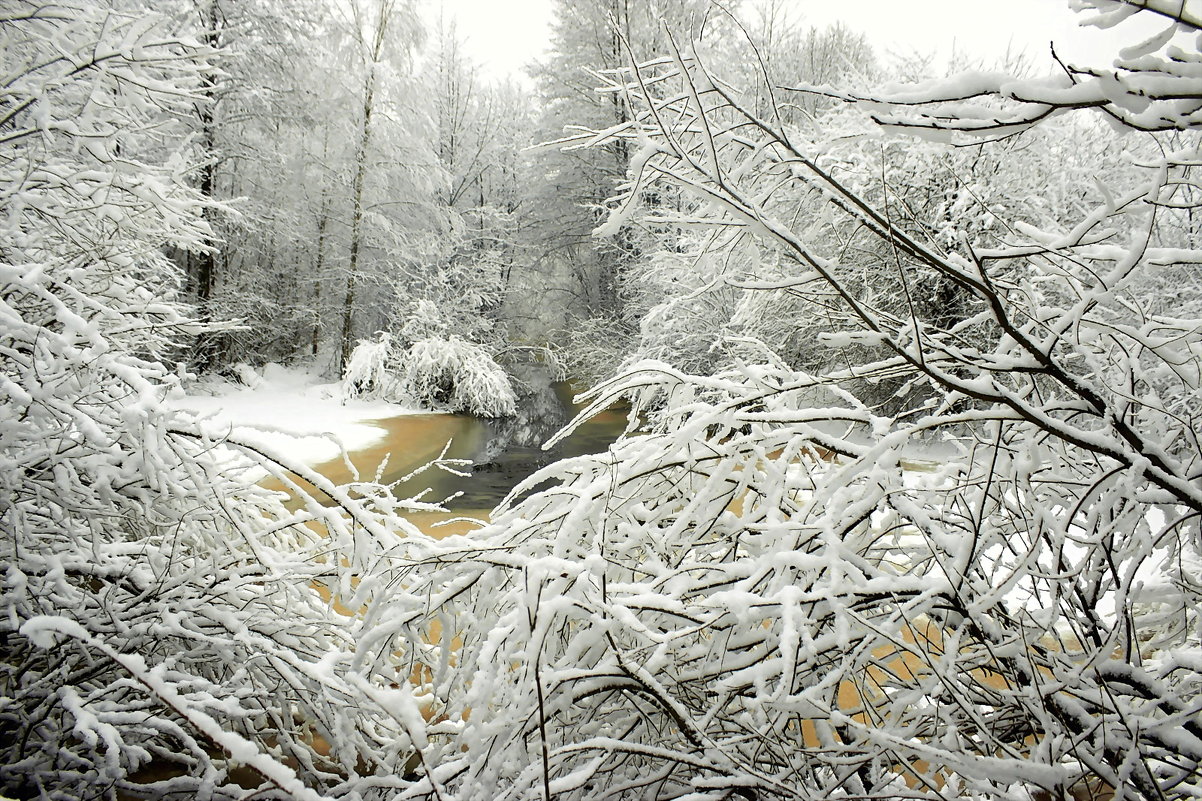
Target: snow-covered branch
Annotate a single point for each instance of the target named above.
(978, 586)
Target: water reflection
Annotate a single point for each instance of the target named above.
(505, 451)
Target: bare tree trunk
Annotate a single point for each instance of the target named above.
(318, 267)
(203, 265)
(611, 265)
(323, 220)
(369, 90)
(348, 303)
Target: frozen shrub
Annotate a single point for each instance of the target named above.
(457, 376)
(447, 374)
(370, 371)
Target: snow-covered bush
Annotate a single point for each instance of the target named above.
(439, 373)
(370, 371)
(457, 376)
(162, 621)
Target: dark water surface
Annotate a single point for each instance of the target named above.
(505, 451)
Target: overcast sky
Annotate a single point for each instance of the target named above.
(504, 35)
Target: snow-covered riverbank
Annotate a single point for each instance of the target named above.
(290, 411)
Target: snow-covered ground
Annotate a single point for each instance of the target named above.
(289, 411)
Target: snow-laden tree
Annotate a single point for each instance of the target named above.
(779, 592)
(459, 288)
(163, 620)
(394, 227)
(671, 274)
(264, 127)
(570, 187)
(442, 372)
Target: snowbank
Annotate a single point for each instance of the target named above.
(290, 411)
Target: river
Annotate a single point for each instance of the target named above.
(502, 452)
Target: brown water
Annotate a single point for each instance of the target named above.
(500, 453)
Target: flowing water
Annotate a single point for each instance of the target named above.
(505, 451)
(502, 452)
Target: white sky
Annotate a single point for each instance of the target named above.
(501, 35)
(978, 29)
(504, 35)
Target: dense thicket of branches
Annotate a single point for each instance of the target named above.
(982, 587)
(913, 510)
(163, 620)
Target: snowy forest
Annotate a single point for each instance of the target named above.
(903, 497)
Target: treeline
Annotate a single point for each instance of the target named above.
(367, 176)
